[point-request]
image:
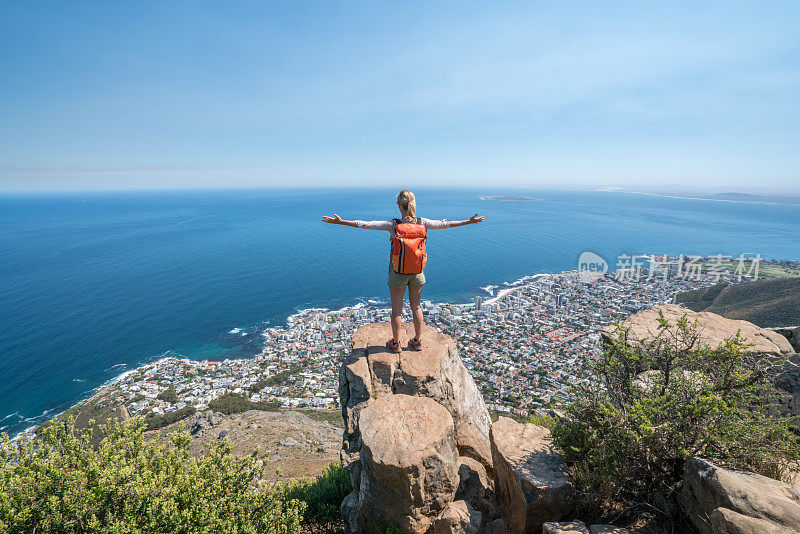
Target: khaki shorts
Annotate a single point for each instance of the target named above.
(403, 280)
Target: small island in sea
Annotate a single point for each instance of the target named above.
(506, 198)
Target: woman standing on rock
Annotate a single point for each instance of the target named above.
(407, 261)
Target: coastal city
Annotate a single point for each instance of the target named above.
(526, 343)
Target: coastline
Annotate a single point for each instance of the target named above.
(94, 392)
(323, 321)
(498, 291)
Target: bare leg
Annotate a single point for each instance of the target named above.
(414, 298)
(396, 293)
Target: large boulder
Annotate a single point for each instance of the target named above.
(722, 500)
(408, 466)
(532, 485)
(712, 328)
(371, 372)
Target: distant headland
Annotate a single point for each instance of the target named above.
(720, 197)
(506, 198)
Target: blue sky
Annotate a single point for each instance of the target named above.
(204, 94)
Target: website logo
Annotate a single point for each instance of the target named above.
(591, 267)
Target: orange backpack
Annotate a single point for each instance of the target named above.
(408, 247)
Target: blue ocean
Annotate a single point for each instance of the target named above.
(93, 284)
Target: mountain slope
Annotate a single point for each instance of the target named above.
(766, 303)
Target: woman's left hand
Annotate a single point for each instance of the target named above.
(475, 219)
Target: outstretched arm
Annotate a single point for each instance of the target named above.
(338, 220)
(475, 219)
(369, 225)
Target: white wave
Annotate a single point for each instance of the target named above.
(235, 331)
(293, 317)
(17, 414)
(490, 288)
(79, 380)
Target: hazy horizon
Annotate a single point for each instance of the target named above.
(793, 193)
(119, 96)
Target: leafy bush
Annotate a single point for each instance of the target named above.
(154, 422)
(59, 483)
(323, 495)
(628, 439)
(545, 420)
(233, 403)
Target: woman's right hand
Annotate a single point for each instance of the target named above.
(332, 220)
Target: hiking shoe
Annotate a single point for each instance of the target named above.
(393, 346)
(415, 344)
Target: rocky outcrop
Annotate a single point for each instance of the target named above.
(720, 501)
(532, 486)
(416, 431)
(713, 329)
(370, 372)
(409, 463)
(422, 454)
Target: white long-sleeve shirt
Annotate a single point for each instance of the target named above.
(389, 225)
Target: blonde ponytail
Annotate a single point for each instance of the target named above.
(406, 200)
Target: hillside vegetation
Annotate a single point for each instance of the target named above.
(60, 483)
(766, 303)
(663, 401)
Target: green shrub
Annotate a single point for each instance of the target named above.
(155, 422)
(545, 420)
(59, 483)
(233, 403)
(323, 495)
(627, 441)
